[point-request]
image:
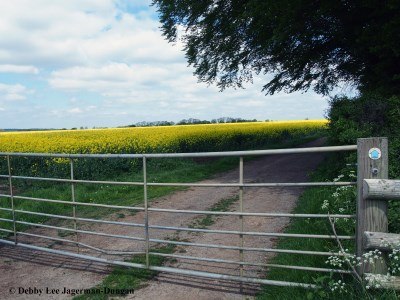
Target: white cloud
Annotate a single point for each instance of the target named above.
(75, 110)
(253, 103)
(75, 32)
(132, 39)
(13, 92)
(105, 58)
(116, 81)
(114, 74)
(19, 69)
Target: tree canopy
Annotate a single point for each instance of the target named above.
(302, 44)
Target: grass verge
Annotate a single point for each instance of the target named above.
(311, 202)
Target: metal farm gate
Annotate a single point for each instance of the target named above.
(369, 166)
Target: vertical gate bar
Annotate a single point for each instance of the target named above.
(73, 200)
(241, 210)
(12, 198)
(146, 210)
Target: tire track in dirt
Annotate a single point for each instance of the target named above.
(20, 267)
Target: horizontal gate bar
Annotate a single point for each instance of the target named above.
(252, 233)
(104, 251)
(195, 154)
(73, 180)
(6, 220)
(277, 184)
(76, 230)
(72, 218)
(251, 264)
(229, 213)
(306, 252)
(168, 269)
(188, 184)
(74, 203)
(200, 212)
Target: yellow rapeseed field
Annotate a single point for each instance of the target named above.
(208, 137)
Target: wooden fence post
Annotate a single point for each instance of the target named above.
(371, 213)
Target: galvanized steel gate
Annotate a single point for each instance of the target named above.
(147, 239)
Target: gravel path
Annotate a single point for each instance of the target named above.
(24, 268)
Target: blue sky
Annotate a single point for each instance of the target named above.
(99, 63)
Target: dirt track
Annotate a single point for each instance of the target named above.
(24, 268)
